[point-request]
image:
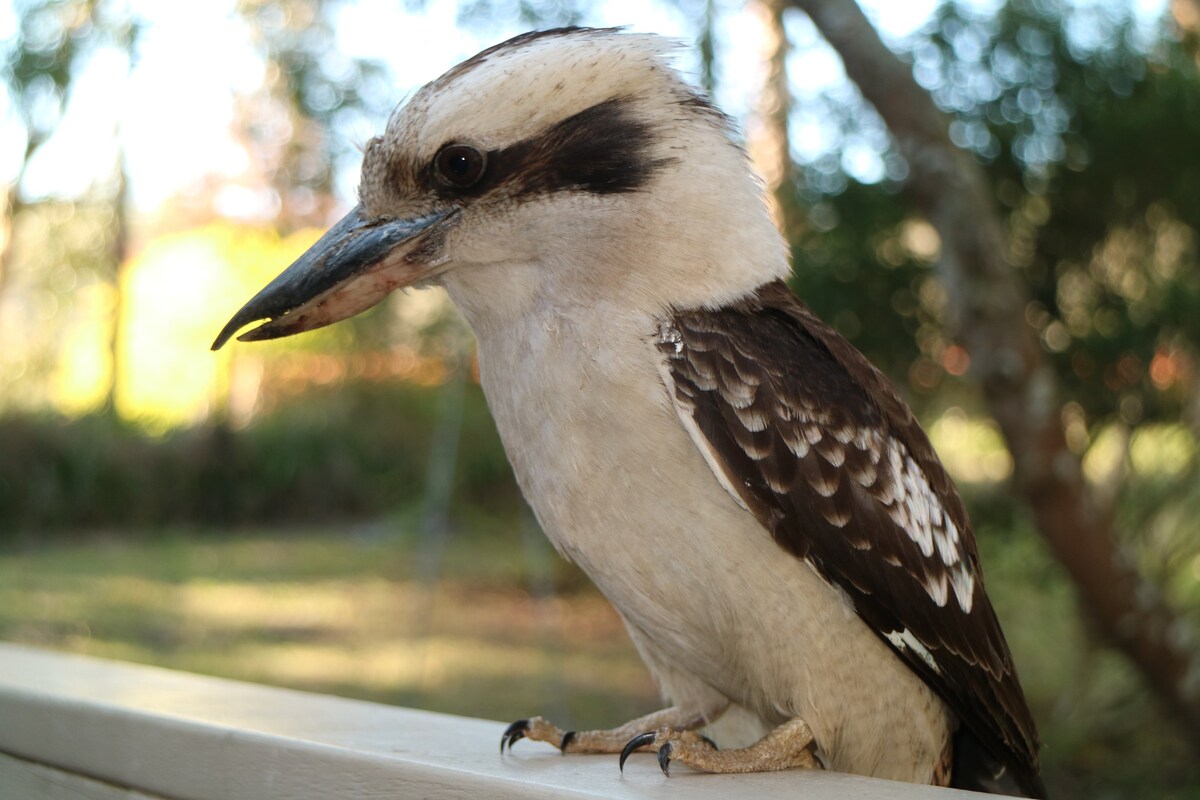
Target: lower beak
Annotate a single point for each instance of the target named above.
(356, 264)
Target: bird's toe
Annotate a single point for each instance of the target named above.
(641, 740)
(664, 759)
(537, 729)
(513, 734)
(668, 741)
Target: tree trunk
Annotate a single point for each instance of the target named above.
(769, 135)
(988, 299)
(8, 228)
(13, 205)
(118, 256)
(127, 33)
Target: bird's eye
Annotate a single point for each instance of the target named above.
(459, 166)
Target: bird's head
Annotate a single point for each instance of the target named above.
(564, 166)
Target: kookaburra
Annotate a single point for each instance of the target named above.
(787, 553)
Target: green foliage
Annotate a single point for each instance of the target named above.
(38, 65)
(1104, 735)
(1090, 136)
(40, 59)
(1087, 125)
(359, 452)
(851, 267)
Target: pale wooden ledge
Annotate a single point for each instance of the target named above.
(77, 727)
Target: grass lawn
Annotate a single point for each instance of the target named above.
(495, 625)
(478, 627)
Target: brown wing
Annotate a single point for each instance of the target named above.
(821, 448)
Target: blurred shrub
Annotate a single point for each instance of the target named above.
(354, 451)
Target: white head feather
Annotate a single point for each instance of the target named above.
(695, 232)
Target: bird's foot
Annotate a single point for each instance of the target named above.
(539, 729)
(788, 746)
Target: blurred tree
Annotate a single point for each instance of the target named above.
(1051, 110)
(1186, 15)
(54, 39)
(706, 45)
(312, 94)
(524, 13)
(1091, 143)
(39, 63)
(123, 32)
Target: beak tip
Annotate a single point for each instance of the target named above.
(228, 331)
(306, 294)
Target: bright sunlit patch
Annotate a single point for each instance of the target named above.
(82, 150)
(1105, 455)
(898, 20)
(1163, 450)
(417, 47)
(82, 376)
(175, 109)
(178, 293)
(971, 448)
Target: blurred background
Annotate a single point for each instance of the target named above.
(334, 512)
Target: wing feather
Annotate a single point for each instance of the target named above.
(818, 444)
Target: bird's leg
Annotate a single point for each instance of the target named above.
(790, 745)
(613, 740)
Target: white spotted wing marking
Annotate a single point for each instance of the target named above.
(909, 500)
(904, 640)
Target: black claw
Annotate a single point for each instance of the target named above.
(641, 740)
(513, 734)
(664, 759)
(568, 737)
(710, 742)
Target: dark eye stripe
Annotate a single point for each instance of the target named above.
(604, 149)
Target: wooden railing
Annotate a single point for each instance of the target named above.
(79, 727)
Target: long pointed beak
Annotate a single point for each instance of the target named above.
(356, 264)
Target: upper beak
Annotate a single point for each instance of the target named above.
(356, 264)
